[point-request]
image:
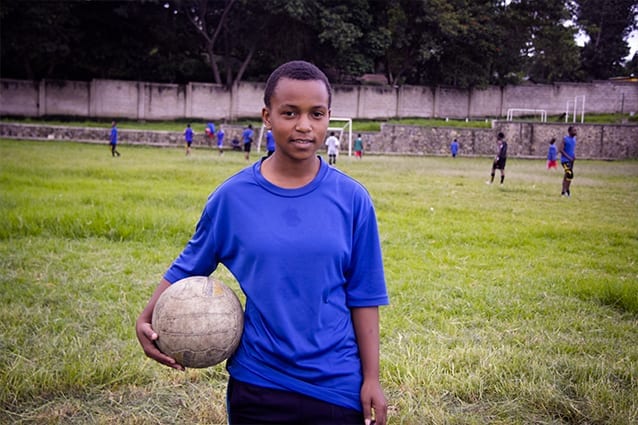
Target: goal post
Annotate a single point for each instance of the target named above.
(345, 128)
(342, 126)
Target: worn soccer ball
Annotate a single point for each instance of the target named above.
(199, 321)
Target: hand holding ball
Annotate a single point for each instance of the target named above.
(199, 322)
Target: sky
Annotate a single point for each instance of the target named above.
(632, 40)
(633, 44)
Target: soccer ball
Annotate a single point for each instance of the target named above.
(199, 321)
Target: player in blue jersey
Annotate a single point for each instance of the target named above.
(188, 138)
(113, 139)
(313, 277)
(567, 157)
(454, 148)
(220, 140)
(210, 132)
(247, 138)
(270, 143)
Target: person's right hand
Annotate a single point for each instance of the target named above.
(147, 337)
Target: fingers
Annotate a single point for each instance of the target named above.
(147, 337)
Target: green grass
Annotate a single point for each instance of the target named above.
(509, 305)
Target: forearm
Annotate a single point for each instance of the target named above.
(147, 313)
(366, 326)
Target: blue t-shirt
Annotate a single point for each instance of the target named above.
(454, 147)
(317, 257)
(211, 128)
(220, 137)
(270, 141)
(569, 146)
(552, 153)
(113, 135)
(247, 135)
(188, 134)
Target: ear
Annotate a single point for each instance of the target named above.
(265, 118)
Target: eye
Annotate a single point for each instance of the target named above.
(318, 114)
(288, 114)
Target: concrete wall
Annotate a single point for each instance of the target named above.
(526, 140)
(152, 101)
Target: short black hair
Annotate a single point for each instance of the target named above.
(501, 136)
(295, 70)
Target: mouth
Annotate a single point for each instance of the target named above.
(302, 141)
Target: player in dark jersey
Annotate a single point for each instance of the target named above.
(500, 159)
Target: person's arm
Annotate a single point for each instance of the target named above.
(147, 336)
(366, 327)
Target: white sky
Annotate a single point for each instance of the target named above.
(632, 40)
(633, 44)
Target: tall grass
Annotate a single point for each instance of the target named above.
(508, 304)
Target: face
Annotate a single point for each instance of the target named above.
(572, 132)
(298, 117)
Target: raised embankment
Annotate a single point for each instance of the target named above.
(526, 140)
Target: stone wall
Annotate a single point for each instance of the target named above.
(526, 140)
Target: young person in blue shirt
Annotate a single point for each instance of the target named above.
(220, 140)
(188, 138)
(454, 148)
(247, 137)
(210, 132)
(113, 139)
(567, 157)
(313, 277)
(270, 143)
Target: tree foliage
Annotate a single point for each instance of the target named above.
(461, 43)
(607, 23)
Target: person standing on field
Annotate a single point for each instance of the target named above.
(247, 137)
(210, 133)
(333, 148)
(270, 143)
(309, 352)
(454, 148)
(220, 140)
(552, 154)
(500, 159)
(113, 139)
(188, 138)
(358, 147)
(567, 157)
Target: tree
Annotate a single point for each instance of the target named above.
(550, 50)
(607, 23)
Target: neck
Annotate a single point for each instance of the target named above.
(289, 174)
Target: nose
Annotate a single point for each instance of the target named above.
(303, 124)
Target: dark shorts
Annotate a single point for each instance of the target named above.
(251, 404)
(569, 169)
(247, 147)
(499, 164)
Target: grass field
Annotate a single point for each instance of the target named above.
(509, 305)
